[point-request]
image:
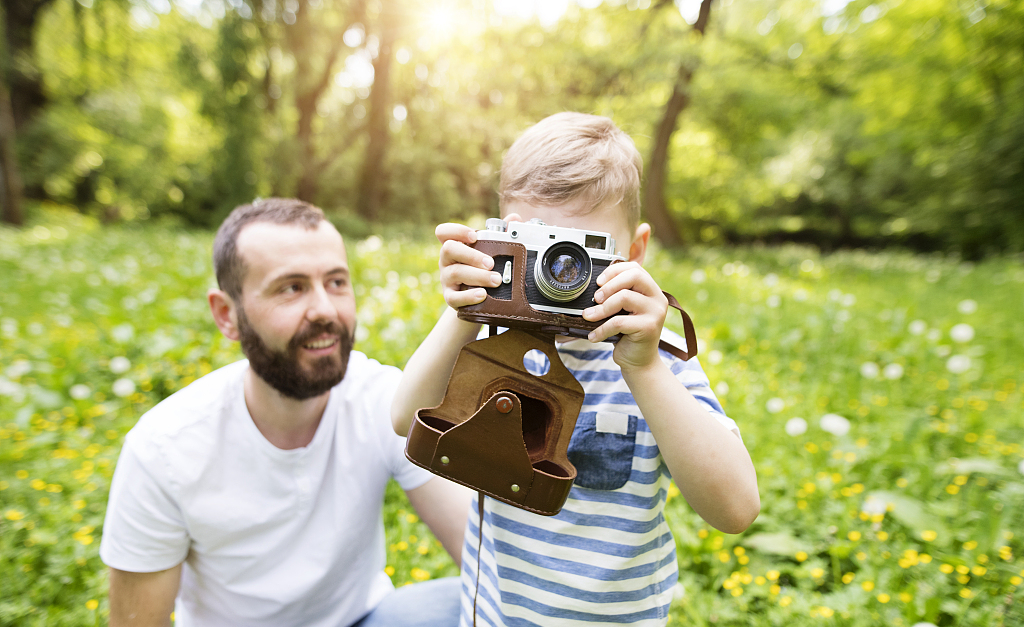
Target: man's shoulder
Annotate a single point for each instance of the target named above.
(198, 404)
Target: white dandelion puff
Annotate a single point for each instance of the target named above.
(715, 357)
(869, 370)
(124, 387)
(962, 333)
(967, 306)
(958, 364)
(80, 391)
(120, 364)
(698, 276)
(835, 424)
(775, 405)
(796, 426)
(893, 372)
(917, 327)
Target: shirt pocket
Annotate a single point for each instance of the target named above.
(601, 449)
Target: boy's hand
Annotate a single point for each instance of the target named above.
(628, 287)
(464, 270)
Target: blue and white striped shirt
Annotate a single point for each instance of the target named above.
(608, 558)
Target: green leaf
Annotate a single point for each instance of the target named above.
(911, 513)
(778, 543)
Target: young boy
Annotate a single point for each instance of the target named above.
(608, 556)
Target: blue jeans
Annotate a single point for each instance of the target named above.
(433, 603)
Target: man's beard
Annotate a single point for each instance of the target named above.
(282, 370)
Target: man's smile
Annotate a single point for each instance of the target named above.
(322, 345)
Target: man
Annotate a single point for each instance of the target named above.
(253, 496)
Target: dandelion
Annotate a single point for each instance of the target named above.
(698, 276)
(92, 604)
(13, 515)
(883, 598)
(835, 424)
(801, 556)
(389, 570)
(818, 573)
(722, 388)
(80, 392)
(785, 601)
(917, 327)
(124, 387)
(962, 333)
(120, 364)
(967, 306)
(853, 536)
(715, 357)
(946, 568)
(775, 405)
(868, 586)
(419, 574)
(958, 364)
(798, 426)
(928, 535)
(848, 577)
(893, 372)
(869, 370)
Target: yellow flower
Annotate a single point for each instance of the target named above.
(861, 555)
(739, 550)
(883, 536)
(772, 575)
(902, 483)
(13, 514)
(801, 504)
(966, 593)
(848, 577)
(928, 535)
(411, 518)
(952, 489)
(785, 601)
(736, 592)
(946, 568)
(38, 484)
(1015, 580)
(389, 570)
(868, 586)
(979, 571)
(906, 597)
(422, 550)
(883, 598)
(827, 612)
(419, 574)
(21, 474)
(776, 588)
(760, 580)
(853, 535)
(402, 545)
(92, 604)
(817, 573)
(970, 545)
(723, 556)
(703, 533)
(801, 556)
(809, 488)
(960, 479)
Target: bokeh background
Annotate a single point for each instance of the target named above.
(837, 195)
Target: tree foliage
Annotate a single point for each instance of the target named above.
(836, 123)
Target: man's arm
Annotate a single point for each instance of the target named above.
(444, 506)
(143, 599)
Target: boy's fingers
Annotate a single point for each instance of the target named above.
(462, 298)
(455, 252)
(460, 274)
(452, 231)
(634, 279)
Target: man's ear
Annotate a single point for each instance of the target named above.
(222, 307)
(638, 247)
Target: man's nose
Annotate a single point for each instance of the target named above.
(320, 306)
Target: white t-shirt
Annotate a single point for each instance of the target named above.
(269, 537)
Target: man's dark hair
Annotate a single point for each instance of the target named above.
(227, 264)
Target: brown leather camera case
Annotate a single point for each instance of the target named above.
(501, 429)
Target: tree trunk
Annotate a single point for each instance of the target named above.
(655, 206)
(21, 75)
(10, 175)
(373, 180)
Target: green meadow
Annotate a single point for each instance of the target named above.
(880, 396)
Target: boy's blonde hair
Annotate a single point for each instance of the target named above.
(570, 156)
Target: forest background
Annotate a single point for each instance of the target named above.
(821, 121)
(879, 391)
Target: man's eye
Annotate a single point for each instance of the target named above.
(292, 288)
(338, 283)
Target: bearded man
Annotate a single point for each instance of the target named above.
(253, 496)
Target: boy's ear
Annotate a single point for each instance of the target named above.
(638, 247)
(222, 307)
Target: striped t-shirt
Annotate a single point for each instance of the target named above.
(608, 558)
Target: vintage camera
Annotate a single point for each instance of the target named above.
(562, 264)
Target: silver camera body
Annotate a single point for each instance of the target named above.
(562, 264)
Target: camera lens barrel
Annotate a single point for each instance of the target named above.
(563, 272)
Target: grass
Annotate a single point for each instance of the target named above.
(901, 506)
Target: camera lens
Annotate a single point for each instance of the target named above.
(562, 273)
